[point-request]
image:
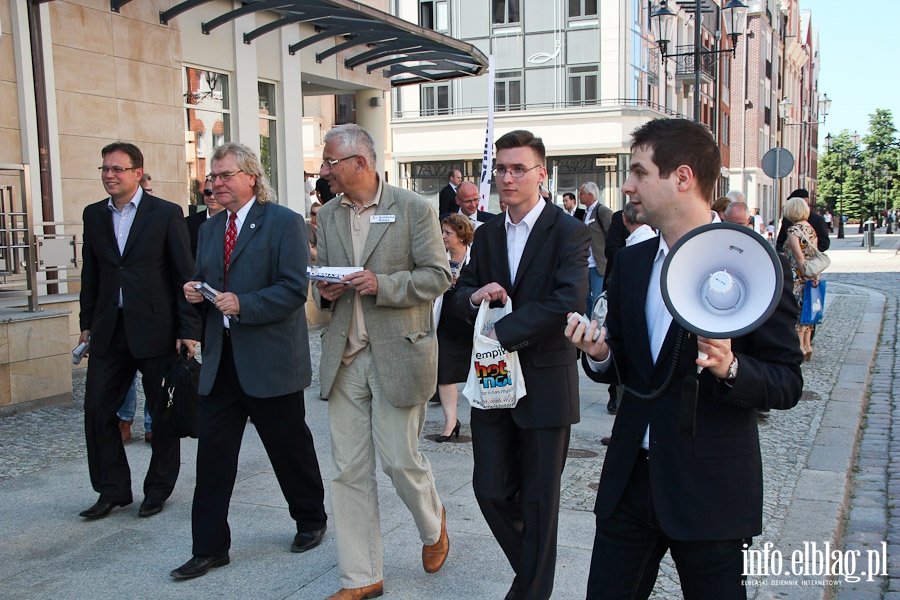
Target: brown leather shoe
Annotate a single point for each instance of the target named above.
(433, 556)
(370, 591)
(125, 429)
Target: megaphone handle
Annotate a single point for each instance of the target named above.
(702, 356)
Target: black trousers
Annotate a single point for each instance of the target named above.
(281, 424)
(630, 544)
(516, 480)
(108, 378)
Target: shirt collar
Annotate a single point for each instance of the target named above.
(135, 200)
(244, 210)
(530, 218)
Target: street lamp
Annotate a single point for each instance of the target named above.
(663, 20)
(829, 141)
(824, 105)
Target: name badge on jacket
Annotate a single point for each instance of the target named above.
(382, 218)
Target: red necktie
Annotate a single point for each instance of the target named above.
(230, 239)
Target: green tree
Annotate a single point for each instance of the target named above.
(880, 158)
(839, 182)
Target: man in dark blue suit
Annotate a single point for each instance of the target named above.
(682, 474)
(256, 359)
(135, 255)
(467, 197)
(535, 256)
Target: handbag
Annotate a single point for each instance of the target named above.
(177, 405)
(495, 376)
(817, 263)
(813, 308)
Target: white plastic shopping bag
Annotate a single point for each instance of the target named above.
(495, 376)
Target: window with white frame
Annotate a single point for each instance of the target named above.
(506, 12)
(268, 136)
(582, 8)
(435, 99)
(583, 85)
(207, 112)
(433, 14)
(508, 91)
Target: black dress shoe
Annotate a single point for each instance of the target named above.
(150, 507)
(612, 407)
(199, 565)
(307, 540)
(101, 509)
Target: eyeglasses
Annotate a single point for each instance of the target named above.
(225, 177)
(312, 214)
(331, 163)
(207, 193)
(517, 172)
(472, 201)
(115, 170)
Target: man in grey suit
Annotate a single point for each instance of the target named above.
(255, 356)
(381, 328)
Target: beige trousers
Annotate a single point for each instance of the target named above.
(363, 420)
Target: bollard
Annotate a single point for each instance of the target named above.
(870, 235)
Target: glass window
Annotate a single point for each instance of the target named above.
(582, 8)
(268, 137)
(345, 109)
(583, 86)
(506, 12)
(435, 99)
(508, 91)
(207, 123)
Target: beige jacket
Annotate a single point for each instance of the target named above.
(409, 260)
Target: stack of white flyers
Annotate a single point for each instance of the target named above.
(330, 274)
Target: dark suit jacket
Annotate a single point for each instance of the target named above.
(579, 214)
(268, 274)
(194, 222)
(615, 241)
(552, 281)
(151, 271)
(708, 487)
(447, 200)
(480, 216)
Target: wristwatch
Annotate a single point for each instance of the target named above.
(732, 370)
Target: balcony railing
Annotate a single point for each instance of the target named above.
(540, 106)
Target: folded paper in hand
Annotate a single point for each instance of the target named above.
(330, 274)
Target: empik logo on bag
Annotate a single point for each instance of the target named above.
(492, 375)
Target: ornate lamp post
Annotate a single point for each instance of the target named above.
(663, 20)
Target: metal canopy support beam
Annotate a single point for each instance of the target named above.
(356, 40)
(167, 15)
(274, 25)
(240, 12)
(115, 5)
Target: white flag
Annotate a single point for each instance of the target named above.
(487, 162)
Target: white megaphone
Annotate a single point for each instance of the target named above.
(721, 280)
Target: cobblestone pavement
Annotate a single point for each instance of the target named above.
(42, 438)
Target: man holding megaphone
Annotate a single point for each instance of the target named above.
(683, 471)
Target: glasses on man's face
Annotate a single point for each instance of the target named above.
(225, 177)
(115, 170)
(207, 193)
(329, 163)
(517, 172)
(312, 214)
(472, 201)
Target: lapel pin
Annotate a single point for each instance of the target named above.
(252, 225)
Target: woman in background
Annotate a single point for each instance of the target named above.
(454, 335)
(801, 241)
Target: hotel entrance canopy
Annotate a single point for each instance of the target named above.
(403, 52)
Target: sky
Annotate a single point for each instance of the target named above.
(858, 67)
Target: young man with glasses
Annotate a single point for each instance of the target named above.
(535, 256)
(200, 217)
(135, 255)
